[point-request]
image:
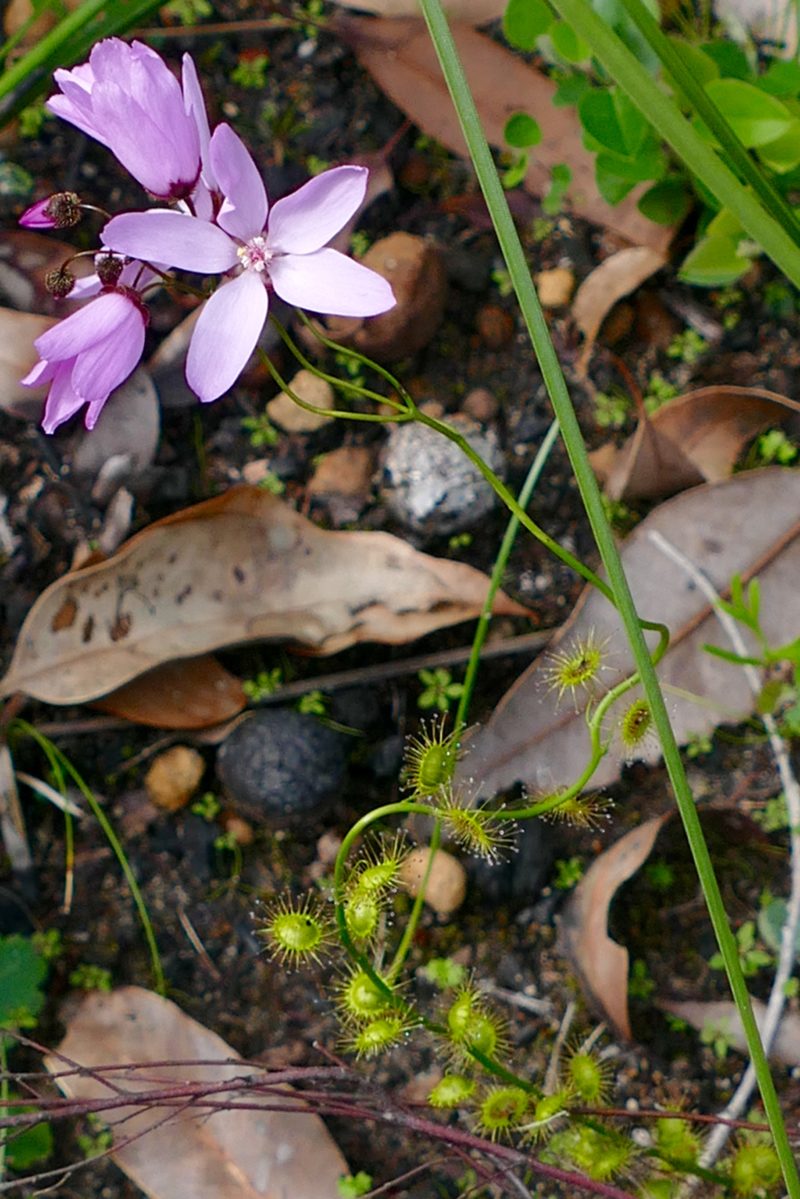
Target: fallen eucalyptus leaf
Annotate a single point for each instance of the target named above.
(694, 438)
(400, 57)
(746, 525)
(602, 964)
(615, 277)
(722, 1016)
(234, 1154)
(189, 693)
(241, 567)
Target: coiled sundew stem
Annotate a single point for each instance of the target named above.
(519, 273)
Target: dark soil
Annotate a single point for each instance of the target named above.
(318, 102)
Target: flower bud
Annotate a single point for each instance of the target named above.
(59, 282)
(109, 267)
(59, 211)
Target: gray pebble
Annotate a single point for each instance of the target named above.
(430, 486)
(281, 765)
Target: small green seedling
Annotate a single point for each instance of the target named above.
(439, 689)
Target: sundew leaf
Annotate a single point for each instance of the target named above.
(755, 117)
(524, 22)
(714, 262)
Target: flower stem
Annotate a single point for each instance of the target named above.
(590, 493)
(498, 570)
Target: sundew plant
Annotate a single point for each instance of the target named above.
(210, 216)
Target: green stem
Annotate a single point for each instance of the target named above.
(375, 418)
(401, 953)
(665, 116)
(39, 55)
(510, 501)
(695, 93)
(4, 1093)
(498, 570)
(62, 763)
(599, 36)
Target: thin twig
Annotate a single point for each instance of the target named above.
(783, 972)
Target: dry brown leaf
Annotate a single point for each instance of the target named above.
(647, 465)
(241, 567)
(193, 693)
(692, 439)
(471, 12)
(722, 1014)
(400, 57)
(221, 1155)
(615, 277)
(602, 964)
(747, 525)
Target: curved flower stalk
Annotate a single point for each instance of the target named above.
(284, 249)
(92, 351)
(127, 98)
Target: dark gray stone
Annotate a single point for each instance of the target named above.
(280, 765)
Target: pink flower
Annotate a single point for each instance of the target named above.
(287, 253)
(88, 354)
(59, 211)
(37, 216)
(127, 98)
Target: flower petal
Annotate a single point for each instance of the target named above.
(174, 238)
(165, 158)
(42, 373)
(330, 282)
(195, 105)
(244, 212)
(84, 328)
(225, 335)
(62, 400)
(307, 219)
(104, 366)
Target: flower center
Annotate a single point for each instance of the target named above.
(254, 255)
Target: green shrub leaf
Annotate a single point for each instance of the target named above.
(755, 117)
(524, 22)
(714, 262)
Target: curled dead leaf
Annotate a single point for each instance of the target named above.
(692, 439)
(602, 964)
(241, 567)
(615, 277)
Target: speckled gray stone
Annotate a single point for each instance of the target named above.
(280, 765)
(430, 486)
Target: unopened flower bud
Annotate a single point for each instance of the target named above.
(59, 282)
(59, 211)
(109, 268)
